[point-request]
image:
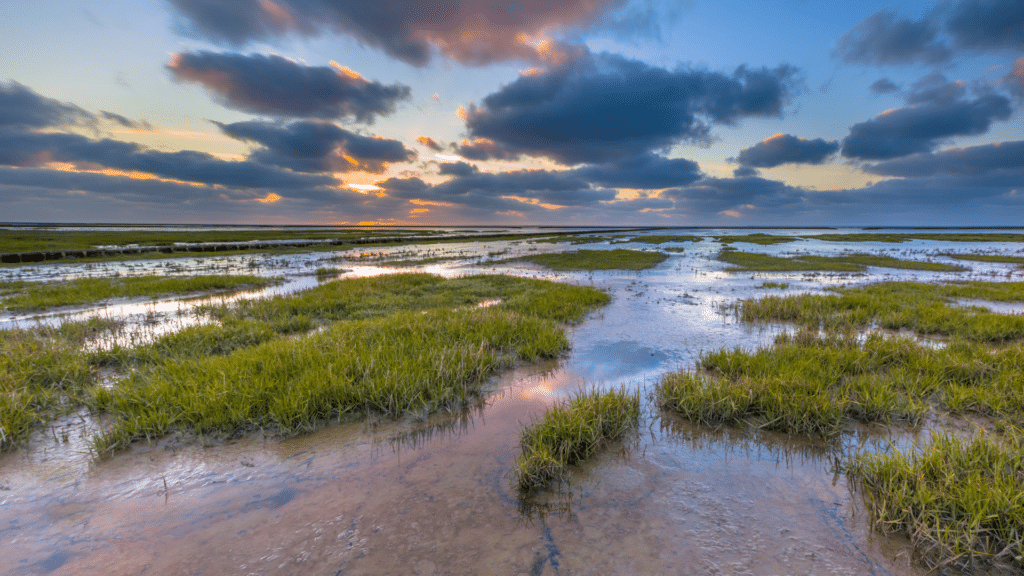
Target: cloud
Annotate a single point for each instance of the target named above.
(988, 25)
(935, 89)
(313, 146)
(974, 160)
(483, 149)
(429, 143)
(741, 194)
(126, 122)
(644, 171)
(882, 39)
(921, 127)
(22, 107)
(1014, 81)
(458, 169)
(277, 86)
(883, 86)
(476, 32)
(603, 107)
(36, 149)
(787, 149)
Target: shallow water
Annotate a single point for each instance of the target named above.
(434, 496)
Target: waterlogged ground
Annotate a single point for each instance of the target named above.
(434, 496)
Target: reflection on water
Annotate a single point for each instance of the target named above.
(433, 494)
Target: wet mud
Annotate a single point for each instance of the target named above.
(434, 495)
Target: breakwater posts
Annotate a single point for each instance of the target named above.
(41, 256)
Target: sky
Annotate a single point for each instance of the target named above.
(536, 112)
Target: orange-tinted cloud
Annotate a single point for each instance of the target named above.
(474, 32)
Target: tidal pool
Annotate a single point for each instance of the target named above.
(434, 496)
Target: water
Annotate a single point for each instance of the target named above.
(434, 495)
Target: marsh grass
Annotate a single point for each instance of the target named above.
(959, 502)
(570, 432)
(757, 238)
(618, 259)
(773, 285)
(393, 345)
(656, 239)
(41, 295)
(754, 262)
(996, 258)
(897, 238)
(923, 308)
(44, 373)
(817, 384)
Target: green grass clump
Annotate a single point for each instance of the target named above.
(814, 384)
(43, 373)
(665, 238)
(958, 501)
(394, 344)
(327, 273)
(42, 295)
(896, 238)
(988, 258)
(924, 308)
(754, 262)
(571, 432)
(412, 362)
(775, 285)
(618, 259)
(758, 238)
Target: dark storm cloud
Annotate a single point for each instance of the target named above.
(604, 107)
(34, 149)
(884, 39)
(126, 122)
(787, 149)
(744, 171)
(883, 86)
(309, 146)
(278, 86)
(970, 161)
(458, 169)
(988, 24)
(644, 171)
(920, 128)
(22, 107)
(471, 31)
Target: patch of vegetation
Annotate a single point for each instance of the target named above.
(44, 373)
(421, 261)
(988, 258)
(571, 432)
(923, 308)
(758, 238)
(327, 273)
(754, 262)
(396, 344)
(665, 238)
(959, 502)
(814, 384)
(618, 259)
(42, 295)
(896, 238)
(773, 285)
(27, 240)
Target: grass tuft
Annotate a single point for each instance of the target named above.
(571, 432)
(618, 259)
(958, 501)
